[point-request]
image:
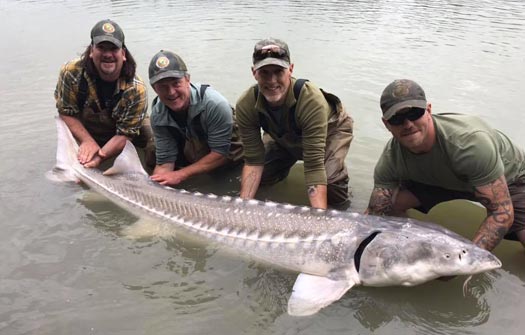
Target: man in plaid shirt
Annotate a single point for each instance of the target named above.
(103, 101)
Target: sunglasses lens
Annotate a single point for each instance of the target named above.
(262, 54)
(412, 115)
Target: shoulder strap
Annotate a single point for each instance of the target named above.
(203, 90)
(297, 87)
(82, 91)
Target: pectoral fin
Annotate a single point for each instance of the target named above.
(311, 293)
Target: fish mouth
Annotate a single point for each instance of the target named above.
(361, 248)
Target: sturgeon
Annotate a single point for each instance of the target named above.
(331, 250)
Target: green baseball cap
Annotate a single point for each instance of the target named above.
(107, 31)
(166, 64)
(401, 94)
(271, 51)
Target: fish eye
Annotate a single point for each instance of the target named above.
(447, 256)
(464, 251)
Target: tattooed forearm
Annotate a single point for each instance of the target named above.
(312, 191)
(381, 201)
(500, 213)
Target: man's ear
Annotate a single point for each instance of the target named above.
(291, 68)
(429, 108)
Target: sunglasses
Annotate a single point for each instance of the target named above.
(264, 53)
(413, 114)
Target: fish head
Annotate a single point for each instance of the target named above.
(413, 257)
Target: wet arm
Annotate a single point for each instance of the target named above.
(500, 213)
(251, 178)
(113, 147)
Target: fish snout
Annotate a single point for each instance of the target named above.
(484, 259)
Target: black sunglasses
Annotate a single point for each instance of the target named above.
(413, 114)
(265, 53)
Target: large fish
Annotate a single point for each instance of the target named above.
(332, 251)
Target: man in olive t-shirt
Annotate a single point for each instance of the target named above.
(434, 158)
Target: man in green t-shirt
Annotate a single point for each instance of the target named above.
(434, 158)
(300, 122)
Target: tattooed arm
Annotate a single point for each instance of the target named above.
(381, 201)
(318, 196)
(500, 213)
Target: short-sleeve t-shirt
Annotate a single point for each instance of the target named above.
(468, 153)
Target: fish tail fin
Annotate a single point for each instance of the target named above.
(66, 156)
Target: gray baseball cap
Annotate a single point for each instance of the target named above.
(401, 94)
(271, 51)
(107, 31)
(166, 64)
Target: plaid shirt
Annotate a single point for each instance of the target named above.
(128, 113)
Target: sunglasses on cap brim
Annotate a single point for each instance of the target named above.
(265, 53)
(412, 114)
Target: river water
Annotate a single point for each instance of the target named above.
(68, 267)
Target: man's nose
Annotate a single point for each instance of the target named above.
(272, 77)
(171, 89)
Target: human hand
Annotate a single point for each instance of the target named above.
(171, 178)
(86, 151)
(95, 162)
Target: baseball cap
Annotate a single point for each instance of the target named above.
(271, 51)
(107, 31)
(401, 94)
(166, 64)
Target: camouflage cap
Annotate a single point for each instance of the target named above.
(271, 51)
(401, 94)
(166, 64)
(107, 31)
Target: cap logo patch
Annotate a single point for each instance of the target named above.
(108, 28)
(401, 90)
(162, 62)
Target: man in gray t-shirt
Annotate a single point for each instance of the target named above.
(434, 158)
(193, 124)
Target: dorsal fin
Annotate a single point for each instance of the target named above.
(127, 162)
